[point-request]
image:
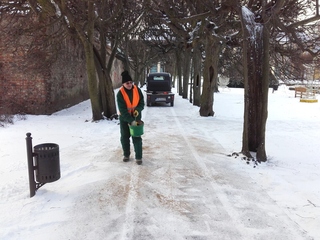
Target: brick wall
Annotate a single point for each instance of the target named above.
(66, 83)
(44, 78)
(37, 74)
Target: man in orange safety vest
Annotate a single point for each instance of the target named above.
(130, 104)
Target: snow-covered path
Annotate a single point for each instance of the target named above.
(187, 187)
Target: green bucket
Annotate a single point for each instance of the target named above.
(136, 131)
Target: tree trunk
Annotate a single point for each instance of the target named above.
(210, 74)
(186, 72)
(139, 76)
(110, 105)
(256, 58)
(100, 62)
(107, 97)
(245, 132)
(101, 82)
(197, 76)
(126, 62)
(91, 70)
(261, 149)
(179, 74)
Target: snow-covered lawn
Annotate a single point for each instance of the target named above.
(187, 187)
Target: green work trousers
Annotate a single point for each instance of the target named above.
(125, 141)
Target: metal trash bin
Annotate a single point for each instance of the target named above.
(47, 162)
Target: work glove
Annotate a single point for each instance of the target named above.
(134, 123)
(135, 113)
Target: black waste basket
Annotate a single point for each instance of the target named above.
(47, 162)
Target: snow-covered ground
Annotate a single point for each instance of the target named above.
(187, 187)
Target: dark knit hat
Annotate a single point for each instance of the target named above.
(126, 76)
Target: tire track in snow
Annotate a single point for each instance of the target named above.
(128, 226)
(243, 201)
(207, 175)
(155, 174)
(184, 181)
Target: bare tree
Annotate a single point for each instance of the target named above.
(256, 28)
(95, 23)
(117, 21)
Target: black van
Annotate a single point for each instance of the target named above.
(159, 88)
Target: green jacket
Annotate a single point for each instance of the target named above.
(125, 116)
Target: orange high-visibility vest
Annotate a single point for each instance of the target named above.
(135, 98)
